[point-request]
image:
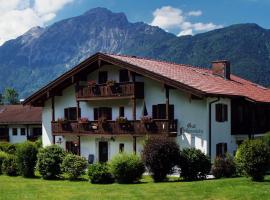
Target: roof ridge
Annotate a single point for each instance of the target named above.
(158, 60)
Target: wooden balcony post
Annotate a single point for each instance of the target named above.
(53, 111)
(79, 145)
(134, 108)
(134, 144)
(78, 111)
(167, 102)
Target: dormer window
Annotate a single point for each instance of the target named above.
(221, 112)
(102, 77)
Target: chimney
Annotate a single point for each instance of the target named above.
(221, 68)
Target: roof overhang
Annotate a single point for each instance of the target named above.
(72, 76)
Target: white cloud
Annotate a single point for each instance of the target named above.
(170, 18)
(167, 17)
(18, 16)
(195, 13)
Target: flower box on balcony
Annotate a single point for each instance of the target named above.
(124, 123)
(83, 120)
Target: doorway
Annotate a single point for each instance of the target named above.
(103, 151)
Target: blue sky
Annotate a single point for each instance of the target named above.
(223, 12)
(180, 17)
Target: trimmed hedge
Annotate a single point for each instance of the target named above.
(74, 166)
(10, 166)
(194, 164)
(160, 155)
(8, 148)
(49, 162)
(100, 173)
(127, 168)
(253, 159)
(224, 167)
(3, 156)
(27, 158)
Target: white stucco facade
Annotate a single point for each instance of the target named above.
(192, 115)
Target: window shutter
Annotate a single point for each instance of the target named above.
(161, 111)
(122, 111)
(225, 148)
(66, 113)
(95, 113)
(154, 112)
(109, 113)
(218, 112)
(171, 112)
(79, 113)
(225, 110)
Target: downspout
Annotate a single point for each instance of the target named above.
(210, 125)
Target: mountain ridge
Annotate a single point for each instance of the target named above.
(41, 54)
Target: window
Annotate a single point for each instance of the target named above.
(102, 77)
(105, 112)
(121, 111)
(121, 147)
(14, 131)
(159, 111)
(123, 76)
(37, 131)
(22, 131)
(221, 112)
(71, 113)
(221, 149)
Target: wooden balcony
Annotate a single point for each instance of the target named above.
(162, 126)
(103, 91)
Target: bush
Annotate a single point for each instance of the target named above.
(224, 167)
(99, 173)
(160, 155)
(7, 147)
(266, 139)
(127, 168)
(27, 159)
(74, 166)
(253, 158)
(38, 142)
(3, 156)
(194, 164)
(9, 165)
(49, 161)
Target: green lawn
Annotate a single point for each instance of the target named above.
(235, 188)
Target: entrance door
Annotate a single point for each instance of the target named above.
(103, 151)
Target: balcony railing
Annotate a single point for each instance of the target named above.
(135, 89)
(160, 126)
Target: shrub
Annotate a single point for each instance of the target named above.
(266, 139)
(160, 155)
(253, 158)
(27, 159)
(3, 156)
(127, 168)
(194, 164)
(74, 166)
(38, 143)
(49, 161)
(99, 173)
(224, 167)
(7, 147)
(9, 165)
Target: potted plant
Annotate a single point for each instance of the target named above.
(91, 83)
(103, 122)
(83, 120)
(110, 83)
(123, 123)
(63, 123)
(148, 122)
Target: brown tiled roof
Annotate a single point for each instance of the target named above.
(198, 81)
(19, 114)
(201, 79)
